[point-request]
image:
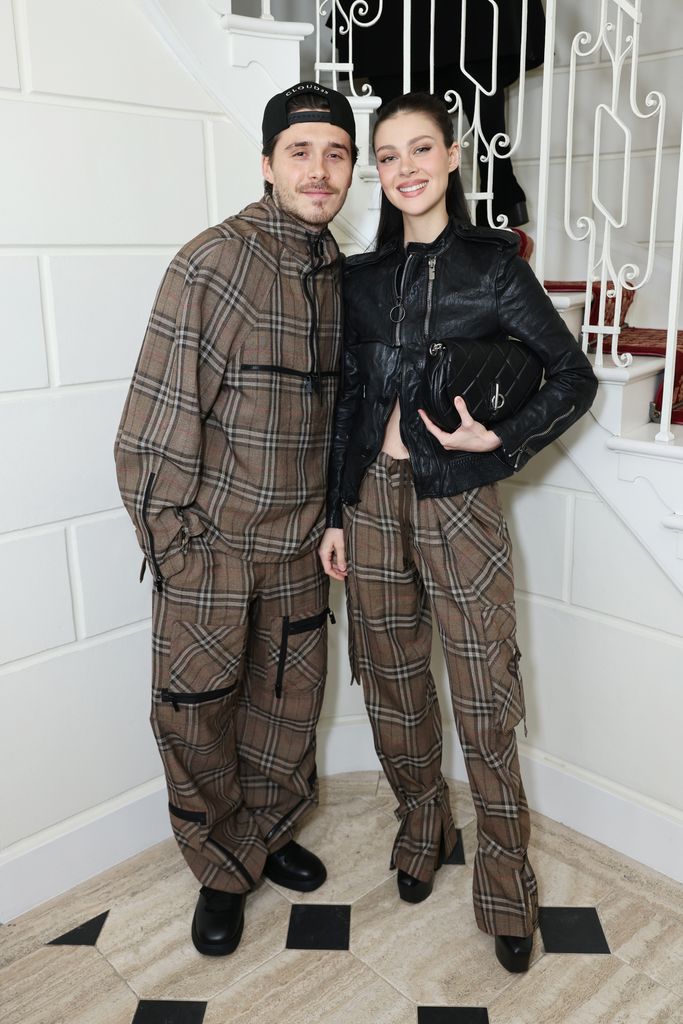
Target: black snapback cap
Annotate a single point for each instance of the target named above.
(276, 119)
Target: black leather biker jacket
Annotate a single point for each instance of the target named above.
(469, 282)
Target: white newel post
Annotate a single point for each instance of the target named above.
(665, 433)
(544, 154)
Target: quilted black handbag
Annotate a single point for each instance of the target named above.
(496, 377)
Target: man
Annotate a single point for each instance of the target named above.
(222, 460)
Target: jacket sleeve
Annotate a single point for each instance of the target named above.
(345, 413)
(525, 312)
(196, 317)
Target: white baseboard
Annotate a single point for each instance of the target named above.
(52, 862)
(43, 866)
(622, 819)
(629, 823)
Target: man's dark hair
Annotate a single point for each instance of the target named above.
(304, 101)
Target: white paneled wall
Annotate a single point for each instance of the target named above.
(113, 157)
(9, 68)
(78, 733)
(23, 356)
(600, 628)
(99, 335)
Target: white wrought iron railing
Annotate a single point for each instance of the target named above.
(607, 214)
(610, 213)
(353, 16)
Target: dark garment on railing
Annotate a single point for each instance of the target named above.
(378, 56)
(378, 50)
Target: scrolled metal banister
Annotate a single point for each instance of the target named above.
(620, 48)
(357, 12)
(344, 20)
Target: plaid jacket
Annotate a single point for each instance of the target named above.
(226, 429)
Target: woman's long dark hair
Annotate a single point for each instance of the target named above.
(390, 226)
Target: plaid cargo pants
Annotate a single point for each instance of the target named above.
(407, 557)
(239, 659)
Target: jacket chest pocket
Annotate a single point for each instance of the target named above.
(298, 652)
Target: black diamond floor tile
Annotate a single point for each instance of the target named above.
(572, 930)
(319, 927)
(85, 934)
(452, 1015)
(168, 1011)
(458, 854)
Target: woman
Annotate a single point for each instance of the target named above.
(422, 524)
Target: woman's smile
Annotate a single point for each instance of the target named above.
(411, 188)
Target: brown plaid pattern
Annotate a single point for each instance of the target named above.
(222, 457)
(407, 557)
(228, 421)
(239, 657)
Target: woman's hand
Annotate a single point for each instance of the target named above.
(470, 436)
(332, 554)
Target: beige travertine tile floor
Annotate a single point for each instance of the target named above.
(400, 956)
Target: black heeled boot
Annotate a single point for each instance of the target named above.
(412, 890)
(514, 953)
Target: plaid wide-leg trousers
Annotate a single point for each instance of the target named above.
(239, 660)
(450, 556)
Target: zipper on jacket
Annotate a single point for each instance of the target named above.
(397, 313)
(306, 378)
(543, 433)
(314, 246)
(154, 565)
(431, 274)
(176, 699)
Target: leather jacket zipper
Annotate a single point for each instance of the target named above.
(543, 433)
(397, 313)
(154, 565)
(430, 288)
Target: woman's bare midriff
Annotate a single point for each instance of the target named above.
(393, 445)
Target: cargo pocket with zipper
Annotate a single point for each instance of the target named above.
(194, 719)
(298, 652)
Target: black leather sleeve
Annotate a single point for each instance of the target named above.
(526, 312)
(347, 404)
